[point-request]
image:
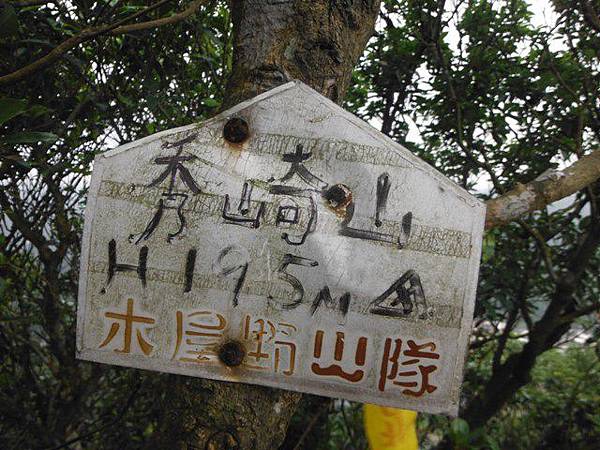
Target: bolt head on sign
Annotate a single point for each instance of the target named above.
(286, 243)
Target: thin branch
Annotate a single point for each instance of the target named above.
(542, 191)
(25, 228)
(573, 336)
(544, 248)
(482, 341)
(88, 34)
(191, 9)
(590, 14)
(28, 3)
(349, 428)
(502, 341)
(567, 318)
(310, 425)
(464, 142)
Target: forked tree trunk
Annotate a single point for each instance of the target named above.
(317, 42)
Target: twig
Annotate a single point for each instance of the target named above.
(25, 4)
(191, 9)
(348, 427)
(544, 248)
(460, 138)
(310, 426)
(481, 342)
(567, 318)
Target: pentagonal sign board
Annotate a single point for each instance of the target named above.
(285, 243)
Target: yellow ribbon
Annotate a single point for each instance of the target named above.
(390, 428)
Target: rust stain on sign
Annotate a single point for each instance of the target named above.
(288, 247)
(337, 198)
(232, 353)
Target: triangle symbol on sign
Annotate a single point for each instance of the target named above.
(402, 297)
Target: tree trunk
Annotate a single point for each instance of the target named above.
(275, 41)
(318, 42)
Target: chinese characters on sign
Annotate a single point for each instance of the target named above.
(312, 254)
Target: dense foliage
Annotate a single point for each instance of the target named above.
(480, 89)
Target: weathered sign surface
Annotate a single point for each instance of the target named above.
(285, 243)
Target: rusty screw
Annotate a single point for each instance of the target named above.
(232, 353)
(338, 196)
(236, 130)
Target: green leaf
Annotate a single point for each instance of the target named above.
(37, 110)
(30, 137)
(210, 102)
(489, 245)
(18, 160)
(126, 100)
(492, 444)
(151, 127)
(459, 426)
(11, 107)
(459, 431)
(43, 42)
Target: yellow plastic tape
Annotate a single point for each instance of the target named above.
(390, 428)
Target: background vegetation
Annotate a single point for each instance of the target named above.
(483, 90)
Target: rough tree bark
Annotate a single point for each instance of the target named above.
(318, 42)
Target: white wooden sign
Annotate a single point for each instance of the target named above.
(286, 243)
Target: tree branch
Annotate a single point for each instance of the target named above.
(590, 15)
(26, 228)
(191, 9)
(570, 317)
(93, 32)
(547, 188)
